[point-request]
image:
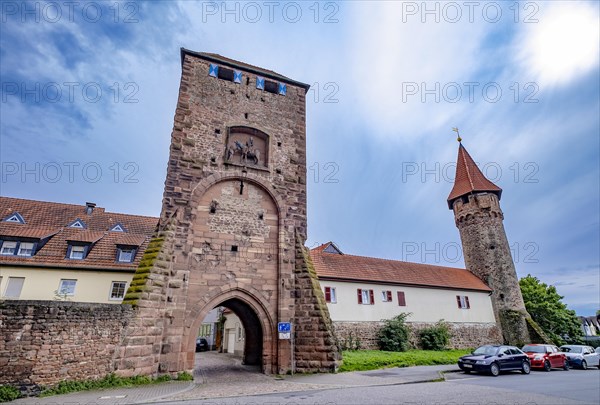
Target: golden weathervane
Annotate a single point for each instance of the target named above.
(457, 134)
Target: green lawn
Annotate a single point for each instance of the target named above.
(362, 360)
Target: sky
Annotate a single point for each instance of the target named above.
(89, 90)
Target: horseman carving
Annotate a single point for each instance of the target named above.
(247, 151)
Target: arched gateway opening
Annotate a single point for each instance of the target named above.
(258, 348)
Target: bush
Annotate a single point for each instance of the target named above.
(435, 337)
(393, 336)
(8, 393)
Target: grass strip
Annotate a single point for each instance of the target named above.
(363, 360)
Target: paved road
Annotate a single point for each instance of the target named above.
(557, 387)
(221, 379)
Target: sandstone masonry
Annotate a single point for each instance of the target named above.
(43, 342)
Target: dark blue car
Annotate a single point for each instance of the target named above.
(201, 345)
(493, 359)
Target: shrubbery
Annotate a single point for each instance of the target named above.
(8, 393)
(435, 337)
(394, 334)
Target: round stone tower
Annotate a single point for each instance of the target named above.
(476, 204)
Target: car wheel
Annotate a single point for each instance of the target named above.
(584, 365)
(566, 365)
(495, 369)
(525, 368)
(547, 366)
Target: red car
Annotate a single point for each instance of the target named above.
(546, 357)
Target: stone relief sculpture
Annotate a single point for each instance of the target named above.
(246, 146)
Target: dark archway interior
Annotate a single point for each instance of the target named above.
(252, 326)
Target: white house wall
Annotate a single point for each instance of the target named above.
(424, 304)
(41, 283)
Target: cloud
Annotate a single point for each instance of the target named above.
(563, 44)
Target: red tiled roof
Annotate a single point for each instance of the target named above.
(367, 269)
(24, 231)
(87, 236)
(47, 221)
(469, 178)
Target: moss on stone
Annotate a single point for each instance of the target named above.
(138, 284)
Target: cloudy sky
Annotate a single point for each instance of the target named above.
(89, 91)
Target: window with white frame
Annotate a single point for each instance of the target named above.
(330, 295)
(14, 287)
(25, 249)
(125, 254)
(77, 252)
(463, 302)
(386, 296)
(9, 247)
(67, 287)
(117, 290)
(365, 297)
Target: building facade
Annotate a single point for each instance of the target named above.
(362, 291)
(81, 253)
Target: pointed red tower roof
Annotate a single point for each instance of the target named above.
(469, 178)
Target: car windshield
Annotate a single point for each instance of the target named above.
(534, 349)
(486, 350)
(571, 349)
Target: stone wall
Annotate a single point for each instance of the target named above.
(44, 342)
(464, 335)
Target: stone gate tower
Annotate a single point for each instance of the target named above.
(232, 228)
(476, 204)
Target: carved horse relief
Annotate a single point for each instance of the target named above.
(246, 146)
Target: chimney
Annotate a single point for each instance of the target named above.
(89, 207)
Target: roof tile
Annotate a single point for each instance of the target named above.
(368, 269)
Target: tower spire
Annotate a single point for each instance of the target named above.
(468, 178)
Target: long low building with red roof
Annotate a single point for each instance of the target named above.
(362, 291)
(51, 251)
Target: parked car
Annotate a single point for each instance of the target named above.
(546, 357)
(598, 349)
(495, 358)
(581, 356)
(201, 345)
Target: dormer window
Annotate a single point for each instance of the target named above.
(126, 254)
(19, 248)
(77, 252)
(26, 249)
(15, 218)
(8, 248)
(78, 223)
(117, 228)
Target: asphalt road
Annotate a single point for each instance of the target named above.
(537, 388)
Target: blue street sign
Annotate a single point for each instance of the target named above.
(284, 327)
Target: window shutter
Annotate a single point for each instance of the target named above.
(458, 301)
(389, 296)
(401, 299)
(359, 296)
(371, 298)
(327, 294)
(467, 302)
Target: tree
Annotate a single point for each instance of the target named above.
(546, 308)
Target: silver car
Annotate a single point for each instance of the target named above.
(581, 356)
